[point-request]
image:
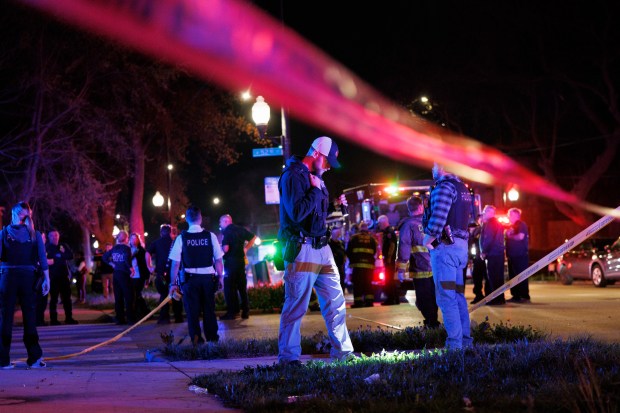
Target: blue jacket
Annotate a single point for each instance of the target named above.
(492, 238)
(303, 208)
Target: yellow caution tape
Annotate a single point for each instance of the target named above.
(112, 340)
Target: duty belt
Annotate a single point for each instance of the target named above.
(460, 233)
(316, 242)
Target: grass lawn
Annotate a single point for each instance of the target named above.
(509, 369)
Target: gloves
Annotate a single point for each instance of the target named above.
(401, 275)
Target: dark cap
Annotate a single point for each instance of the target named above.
(328, 148)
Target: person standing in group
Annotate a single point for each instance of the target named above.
(388, 252)
(235, 244)
(336, 244)
(492, 251)
(517, 239)
(445, 228)
(414, 256)
(309, 262)
(107, 272)
(160, 249)
(119, 257)
(141, 274)
(58, 254)
(79, 270)
(479, 267)
(41, 299)
(362, 252)
(21, 252)
(200, 254)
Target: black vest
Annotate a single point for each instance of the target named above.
(458, 217)
(15, 253)
(197, 249)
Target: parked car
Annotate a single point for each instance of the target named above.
(596, 259)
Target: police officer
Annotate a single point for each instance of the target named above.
(235, 244)
(414, 254)
(21, 251)
(517, 238)
(388, 252)
(199, 253)
(479, 267)
(446, 223)
(309, 261)
(362, 251)
(160, 248)
(119, 257)
(492, 250)
(57, 255)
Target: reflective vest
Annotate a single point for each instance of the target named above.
(361, 250)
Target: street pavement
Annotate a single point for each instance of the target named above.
(118, 377)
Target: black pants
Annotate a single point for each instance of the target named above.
(236, 289)
(199, 297)
(60, 285)
(362, 285)
(425, 300)
(479, 275)
(41, 306)
(495, 276)
(392, 287)
(123, 298)
(162, 284)
(140, 308)
(516, 265)
(18, 284)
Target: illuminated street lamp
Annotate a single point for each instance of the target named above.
(158, 199)
(216, 201)
(261, 113)
(513, 195)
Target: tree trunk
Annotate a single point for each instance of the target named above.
(136, 223)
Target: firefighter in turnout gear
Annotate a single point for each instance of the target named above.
(388, 252)
(414, 257)
(362, 251)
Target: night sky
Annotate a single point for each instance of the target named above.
(469, 58)
(479, 63)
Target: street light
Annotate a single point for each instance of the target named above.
(170, 168)
(158, 199)
(513, 194)
(261, 114)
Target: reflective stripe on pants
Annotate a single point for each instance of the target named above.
(313, 268)
(448, 262)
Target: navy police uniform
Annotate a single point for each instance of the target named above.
(197, 250)
(120, 258)
(19, 255)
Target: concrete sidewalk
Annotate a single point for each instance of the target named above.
(116, 377)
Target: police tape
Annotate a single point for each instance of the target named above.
(110, 341)
(234, 43)
(547, 259)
